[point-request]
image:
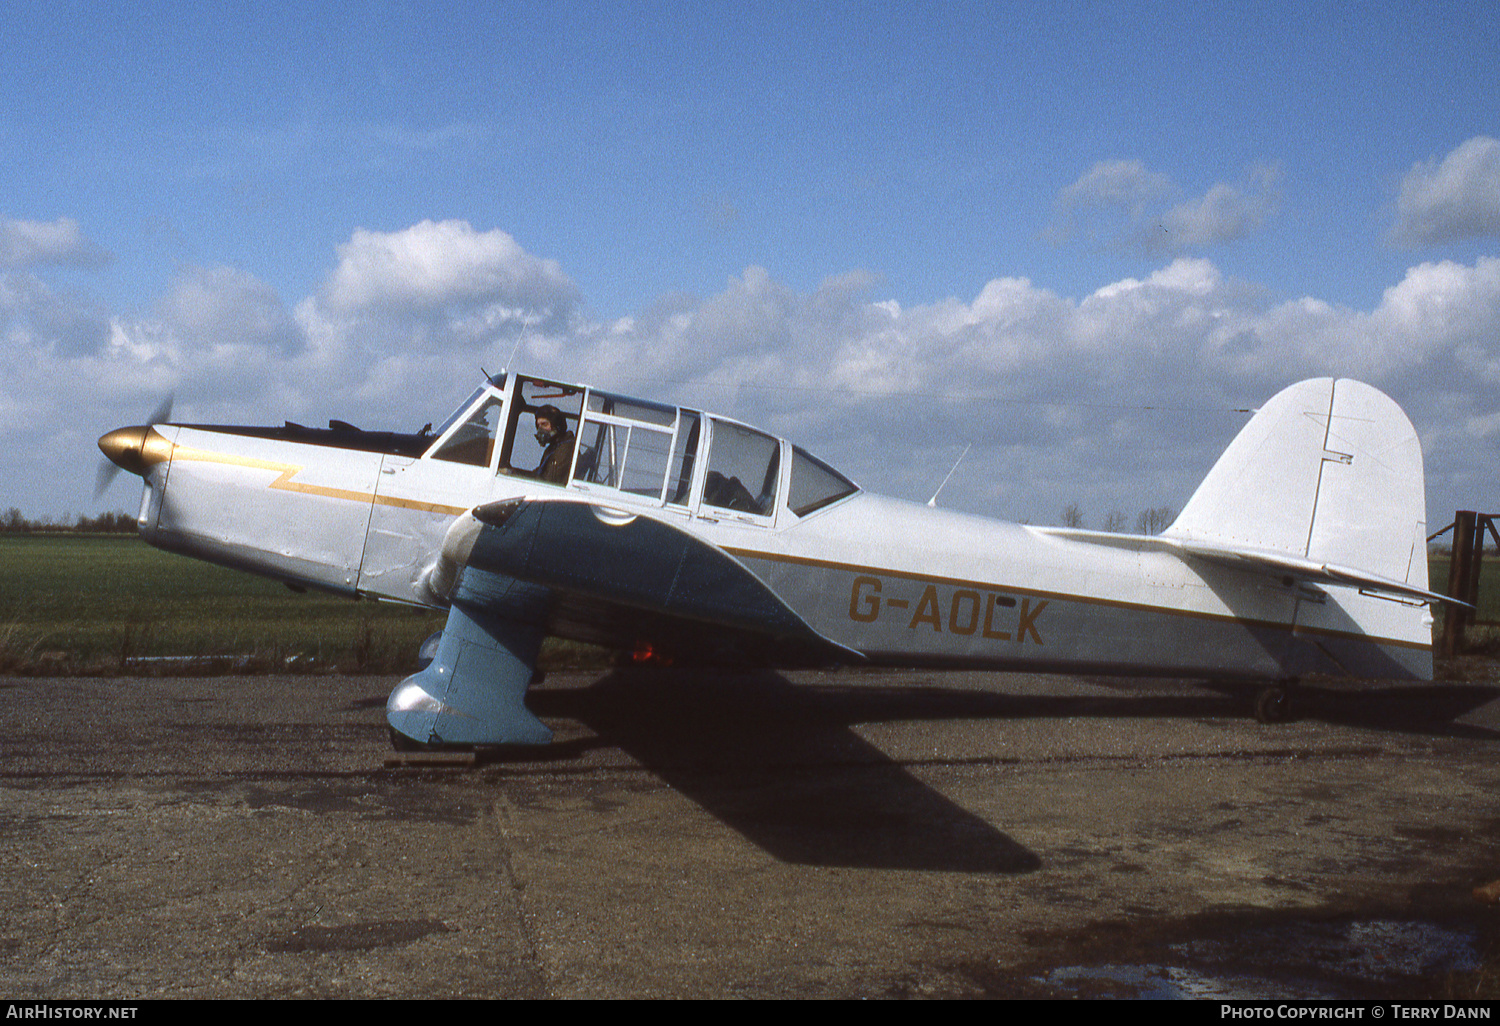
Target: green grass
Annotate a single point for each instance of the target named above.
(1488, 606)
(95, 603)
(90, 603)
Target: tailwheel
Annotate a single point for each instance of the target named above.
(1274, 703)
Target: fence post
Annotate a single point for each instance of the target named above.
(1461, 580)
(1482, 522)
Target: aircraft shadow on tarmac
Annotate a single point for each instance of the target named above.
(1431, 709)
(781, 764)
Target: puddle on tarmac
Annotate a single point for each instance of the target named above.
(1169, 982)
(1297, 959)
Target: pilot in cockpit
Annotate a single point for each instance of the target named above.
(557, 441)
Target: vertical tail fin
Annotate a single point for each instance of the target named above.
(1328, 470)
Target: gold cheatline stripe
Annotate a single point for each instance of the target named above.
(827, 564)
(284, 482)
(286, 471)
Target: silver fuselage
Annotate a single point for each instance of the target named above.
(891, 581)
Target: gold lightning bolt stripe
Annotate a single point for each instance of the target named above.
(286, 471)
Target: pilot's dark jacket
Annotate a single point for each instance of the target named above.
(557, 458)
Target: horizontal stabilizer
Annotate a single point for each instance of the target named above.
(1308, 569)
(1273, 563)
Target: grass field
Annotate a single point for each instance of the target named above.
(111, 603)
(100, 602)
(1488, 607)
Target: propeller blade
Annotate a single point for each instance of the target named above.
(162, 412)
(103, 478)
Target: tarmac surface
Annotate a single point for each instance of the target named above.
(695, 834)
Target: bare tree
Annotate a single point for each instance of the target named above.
(1114, 522)
(1072, 515)
(1155, 521)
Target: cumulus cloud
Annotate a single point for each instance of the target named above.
(1056, 393)
(27, 243)
(1120, 204)
(226, 308)
(35, 318)
(1220, 215)
(1118, 399)
(1458, 198)
(447, 264)
(1115, 183)
(216, 332)
(421, 309)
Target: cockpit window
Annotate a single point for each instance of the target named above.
(680, 477)
(601, 440)
(474, 440)
(529, 454)
(815, 484)
(743, 470)
(627, 444)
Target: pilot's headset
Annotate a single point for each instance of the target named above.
(559, 423)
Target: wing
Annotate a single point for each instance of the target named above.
(519, 570)
(630, 581)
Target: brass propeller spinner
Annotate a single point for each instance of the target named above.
(136, 449)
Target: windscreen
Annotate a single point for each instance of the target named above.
(815, 484)
(474, 441)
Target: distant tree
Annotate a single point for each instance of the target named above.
(1155, 521)
(13, 521)
(1114, 521)
(106, 523)
(1072, 515)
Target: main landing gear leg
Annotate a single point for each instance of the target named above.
(473, 693)
(1274, 703)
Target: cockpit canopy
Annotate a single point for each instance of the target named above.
(636, 451)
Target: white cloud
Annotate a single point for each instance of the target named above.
(1065, 399)
(1456, 199)
(1222, 214)
(1106, 202)
(27, 243)
(218, 334)
(1115, 183)
(422, 309)
(437, 265)
(33, 317)
(1440, 319)
(1120, 204)
(222, 307)
(1057, 393)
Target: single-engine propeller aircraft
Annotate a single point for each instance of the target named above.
(638, 525)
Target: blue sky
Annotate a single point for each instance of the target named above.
(1060, 218)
